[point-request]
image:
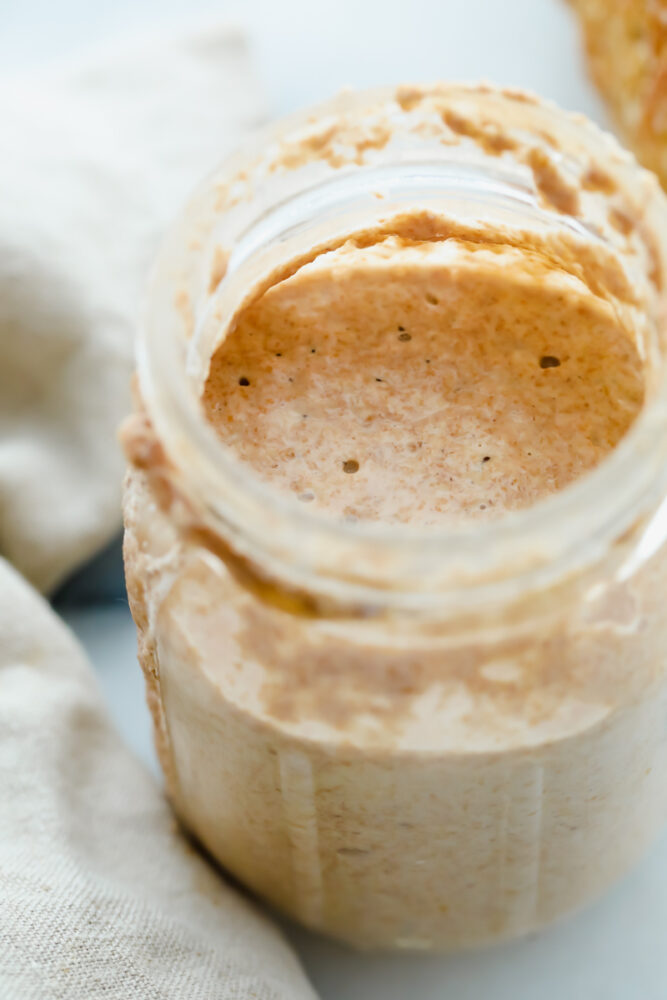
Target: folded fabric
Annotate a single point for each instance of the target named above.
(101, 894)
(93, 164)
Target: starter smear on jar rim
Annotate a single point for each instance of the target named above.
(413, 381)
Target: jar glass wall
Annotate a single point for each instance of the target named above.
(407, 736)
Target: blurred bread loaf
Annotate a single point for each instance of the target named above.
(626, 43)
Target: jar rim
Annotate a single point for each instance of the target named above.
(395, 565)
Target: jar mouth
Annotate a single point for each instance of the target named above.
(367, 562)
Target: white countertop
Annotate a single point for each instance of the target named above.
(306, 51)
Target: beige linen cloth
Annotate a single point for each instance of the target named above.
(100, 894)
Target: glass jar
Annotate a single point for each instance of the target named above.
(405, 737)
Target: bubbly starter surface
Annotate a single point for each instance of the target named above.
(412, 381)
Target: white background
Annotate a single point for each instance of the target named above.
(305, 51)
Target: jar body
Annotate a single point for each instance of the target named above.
(422, 767)
(416, 826)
